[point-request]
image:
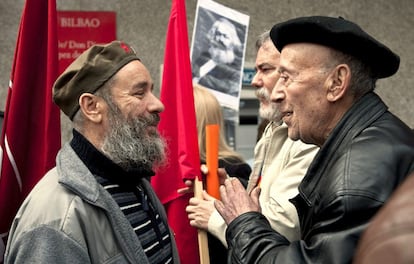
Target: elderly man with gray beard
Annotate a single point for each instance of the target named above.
(97, 205)
(279, 163)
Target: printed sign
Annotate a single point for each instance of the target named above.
(218, 50)
(78, 30)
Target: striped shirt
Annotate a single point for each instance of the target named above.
(146, 222)
(126, 189)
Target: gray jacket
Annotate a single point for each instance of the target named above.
(69, 218)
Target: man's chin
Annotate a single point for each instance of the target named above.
(269, 114)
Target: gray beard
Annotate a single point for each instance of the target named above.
(271, 111)
(130, 145)
(221, 55)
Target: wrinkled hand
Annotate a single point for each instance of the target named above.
(235, 200)
(200, 210)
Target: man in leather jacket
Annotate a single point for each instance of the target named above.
(329, 67)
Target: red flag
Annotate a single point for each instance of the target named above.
(30, 136)
(178, 126)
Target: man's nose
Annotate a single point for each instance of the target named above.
(155, 105)
(220, 38)
(278, 94)
(257, 81)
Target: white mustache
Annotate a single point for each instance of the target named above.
(263, 93)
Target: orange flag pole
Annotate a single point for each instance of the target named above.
(212, 142)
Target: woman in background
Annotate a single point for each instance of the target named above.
(208, 111)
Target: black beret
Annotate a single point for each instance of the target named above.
(341, 35)
(89, 72)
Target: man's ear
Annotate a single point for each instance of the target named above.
(92, 107)
(338, 82)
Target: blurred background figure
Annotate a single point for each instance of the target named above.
(209, 111)
(390, 235)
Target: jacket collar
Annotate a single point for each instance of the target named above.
(79, 160)
(361, 115)
(73, 174)
(101, 165)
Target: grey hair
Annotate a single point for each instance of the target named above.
(361, 81)
(233, 31)
(262, 39)
(104, 92)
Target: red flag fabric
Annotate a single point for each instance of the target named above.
(30, 137)
(178, 126)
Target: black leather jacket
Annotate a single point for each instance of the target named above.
(366, 157)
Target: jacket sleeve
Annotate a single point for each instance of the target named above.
(46, 245)
(241, 170)
(280, 212)
(251, 239)
(217, 227)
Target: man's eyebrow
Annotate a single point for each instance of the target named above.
(143, 85)
(264, 64)
(281, 69)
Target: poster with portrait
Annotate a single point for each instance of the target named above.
(218, 50)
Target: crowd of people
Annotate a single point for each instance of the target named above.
(330, 158)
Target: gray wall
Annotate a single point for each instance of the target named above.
(143, 23)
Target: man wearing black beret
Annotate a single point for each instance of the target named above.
(329, 68)
(97, 205)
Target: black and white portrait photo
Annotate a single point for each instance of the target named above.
(218, 51)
